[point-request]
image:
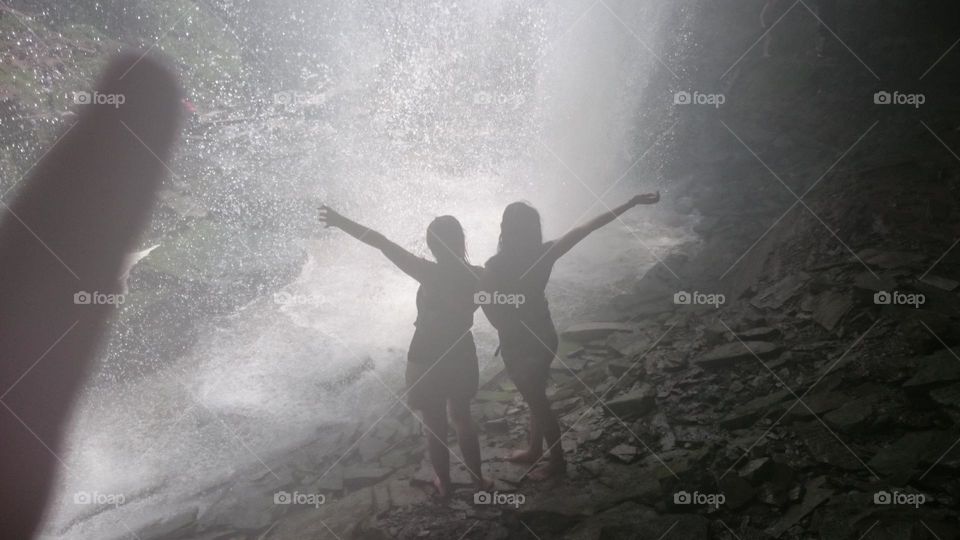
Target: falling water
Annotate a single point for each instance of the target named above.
(397, 113)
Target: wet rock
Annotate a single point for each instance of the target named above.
(493, 395)
(756, 469)
(824, 447)
(816, 494)
(852, 417)
(170, 524)
(594, 330)
(899, 462)
(499, 426)
(888, 260)
(371, 447)
(948, 395)
(635, 403)
(625, 453)
(363, 475)
(938, 368)
(738, 492)
(570, 501)
(748, 413)
(942, 283)
(776, 296)
(829, 307)
(630, 521)
(760, 333)
(730, 353)
(329, 480)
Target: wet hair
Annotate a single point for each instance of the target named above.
(520, 231)
(446, 240)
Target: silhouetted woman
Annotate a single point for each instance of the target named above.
(528, 340)
(442, 367)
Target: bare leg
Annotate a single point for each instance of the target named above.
(469, 440)
(546, 424)
(435, 419)
(534, 451)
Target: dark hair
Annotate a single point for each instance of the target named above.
(446, 240)
(520, 230)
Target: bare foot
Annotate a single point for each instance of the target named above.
(443, 489)
(525, 456)
(550, 470)
(485, 484)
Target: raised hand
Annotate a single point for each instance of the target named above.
(329, 217)
(646, 198)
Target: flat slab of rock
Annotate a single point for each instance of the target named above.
(751, 411)
(935, 369)
(594, 330)
(634, 522)
(775, 296)
(730, 353)
(634, 403)
(830, 307)
(816, 494)
(358, 476)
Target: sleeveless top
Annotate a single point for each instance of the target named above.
(527, 322)
(445, 306)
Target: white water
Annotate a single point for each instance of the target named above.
(438, 111)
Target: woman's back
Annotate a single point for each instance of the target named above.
(445, 306)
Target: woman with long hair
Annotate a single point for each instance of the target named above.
(442, 369)
(528, 339)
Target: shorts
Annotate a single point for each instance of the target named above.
(445, 373)
(528, 361)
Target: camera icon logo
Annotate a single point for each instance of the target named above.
(82, 298)
(882, 98)
(81, 497)
(682, 497)
(882, 298)
(82, 98)
(282, 497)
(283, 98)
(682, 98)
(482, 298)
(882, 497)
(682, 298)
(482, 497)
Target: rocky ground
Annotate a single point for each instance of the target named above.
(821, 401)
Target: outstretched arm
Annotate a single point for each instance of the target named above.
(410, 264)
(575, 235)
